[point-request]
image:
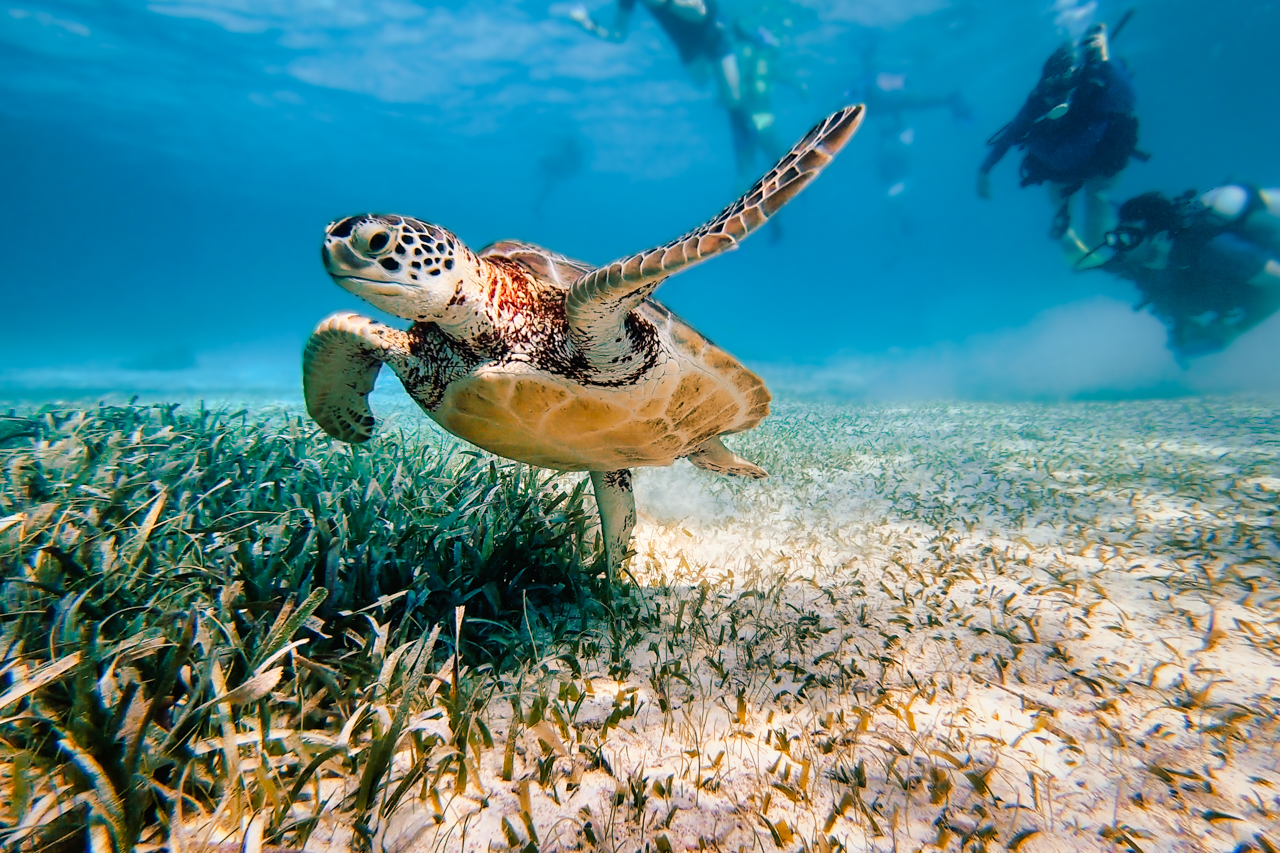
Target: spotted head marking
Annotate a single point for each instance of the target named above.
(406, 267)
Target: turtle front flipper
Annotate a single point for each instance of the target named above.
(339, 367)
(598, 302)
(617, 504)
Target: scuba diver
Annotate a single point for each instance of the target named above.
(1208, 267)
(702, 41)
(1078, 129)
(888, 103)
(562, 159)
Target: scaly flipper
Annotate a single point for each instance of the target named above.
(339, 367)
(617, 504)
(599, 302)
(712, 455)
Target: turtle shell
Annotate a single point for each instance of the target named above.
(690, 391)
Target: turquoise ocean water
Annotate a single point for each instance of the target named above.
(981, 463)
(167, 169)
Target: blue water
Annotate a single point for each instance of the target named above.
(167, 169)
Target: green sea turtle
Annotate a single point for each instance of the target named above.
(543, 359)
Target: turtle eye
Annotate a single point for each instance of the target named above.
(371, 238)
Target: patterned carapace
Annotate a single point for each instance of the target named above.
(543, 359)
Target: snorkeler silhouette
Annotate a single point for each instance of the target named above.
(703, 41)
(1078, 130)
(752, 119)
(888, 102)
(562, 159)
(1208, 267)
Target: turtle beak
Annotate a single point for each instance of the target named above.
(367, 288)
(354, 274)
(339, 260)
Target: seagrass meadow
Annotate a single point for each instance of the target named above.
(964, 627)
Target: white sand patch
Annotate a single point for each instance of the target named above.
(684, 495)
(980, 627)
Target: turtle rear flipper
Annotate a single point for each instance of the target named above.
(712, 455)
(617, 504)
(599, 301)
(339, 368)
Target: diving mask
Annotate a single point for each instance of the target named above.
(1125, 238)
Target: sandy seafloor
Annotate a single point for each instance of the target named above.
(983, 626)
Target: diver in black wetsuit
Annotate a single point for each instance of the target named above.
(1208, 267)
(701, 40)
(1078, 130)
(691, 24)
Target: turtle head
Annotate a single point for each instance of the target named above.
(406, 267)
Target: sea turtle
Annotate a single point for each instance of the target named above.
(543, 359)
